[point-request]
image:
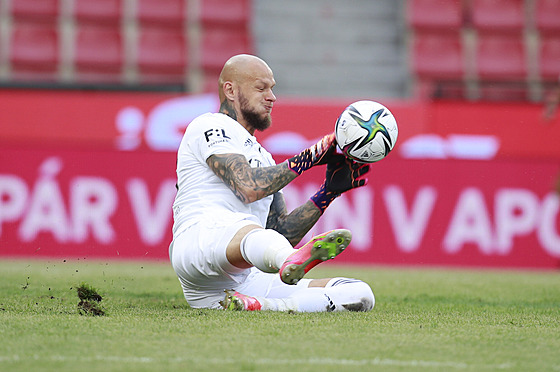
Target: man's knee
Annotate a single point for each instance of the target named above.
(233, 250)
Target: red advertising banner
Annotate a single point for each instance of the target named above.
(155, 121)
(68, 202)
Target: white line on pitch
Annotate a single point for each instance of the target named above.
(262, 361)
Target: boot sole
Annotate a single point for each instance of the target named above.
(324, 248)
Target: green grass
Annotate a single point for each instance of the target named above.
(424, 320)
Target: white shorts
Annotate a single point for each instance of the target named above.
(198, 256)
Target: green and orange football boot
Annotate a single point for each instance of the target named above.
(321, 248)
(239, 302)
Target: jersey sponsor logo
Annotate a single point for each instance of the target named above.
(215, 135)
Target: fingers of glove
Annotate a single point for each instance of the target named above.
(360, 171)
(357, 175)
(324, 149)
(357, 165)
(359, 182)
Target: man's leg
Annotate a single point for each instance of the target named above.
(271, 252)
(267, 292)
(233, 250)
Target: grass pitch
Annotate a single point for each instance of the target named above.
(424, 320)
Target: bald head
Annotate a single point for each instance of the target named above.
(246, 84)
(241, 69)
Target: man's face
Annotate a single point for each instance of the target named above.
(256, 100)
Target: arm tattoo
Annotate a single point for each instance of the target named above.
(294, 225)
(226, 108)
(249, 184)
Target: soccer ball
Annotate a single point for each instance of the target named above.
(366, 131)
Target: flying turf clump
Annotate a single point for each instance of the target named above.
(89, 301)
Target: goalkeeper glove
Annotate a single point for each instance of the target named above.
(317, 154)
(342, 174)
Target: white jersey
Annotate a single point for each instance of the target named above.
(201, 193)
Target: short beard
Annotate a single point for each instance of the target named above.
(253, 119)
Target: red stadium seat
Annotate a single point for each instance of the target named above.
(547, 16)
(38, 10)
(435, 14)
(225, 12)
(501, 57)
(220, 43)
(498, 15)
(162, 54)
(98, 51)
(98, 11)
(438, 56)
(34, 48)
(161, 12)
(549, 57)
(210, 81)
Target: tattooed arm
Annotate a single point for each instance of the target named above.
(249, 184)
(294, 225)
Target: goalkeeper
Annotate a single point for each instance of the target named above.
(233, 238)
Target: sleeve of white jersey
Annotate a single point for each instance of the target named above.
(211, 137)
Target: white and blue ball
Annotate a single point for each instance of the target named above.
(366, 131)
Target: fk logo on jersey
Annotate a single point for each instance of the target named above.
(215, 134)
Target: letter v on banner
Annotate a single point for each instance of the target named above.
(408, 227)
(152, 220)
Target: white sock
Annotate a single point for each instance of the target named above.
(277, 304)
(340, 294)
(266, 249)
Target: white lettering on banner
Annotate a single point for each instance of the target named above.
(546, 226)
(13, 198)
(516, 212)
(152, 221)
(494, 224)
(470, 223)
(93, 200)
(46, 211)
(409, 228)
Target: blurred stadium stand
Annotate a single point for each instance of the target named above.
(466, 49)
(547, 16)
(509, 51)
(36, 10)
(236, 13)
(439, 56)
(501, 77)
(107, 12)
(169, 13)
(98, 53)
(504, 16)
(435, 15)
(34, 52)
(549, 56)
(162, 54)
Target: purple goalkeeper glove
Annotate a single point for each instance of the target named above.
(318, 154)
(343, 174)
